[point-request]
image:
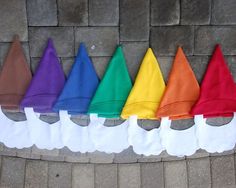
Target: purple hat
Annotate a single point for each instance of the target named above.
(47, 82)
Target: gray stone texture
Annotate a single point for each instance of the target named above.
(66, 64)
(206, 37)
(199, 154)
(106, 176)
(134, 19)
(73, 12)
(100, 64)
(71, 156)
(223, 12)
(165, 66)
(36, 174)
(195, 12)
(126, 156)
(134, 54)
(59, 175)
(165, 40)
(8, 151)
(13, 20)
(12, 172)
(42, 12)
(83, 176)
(23, 153)
(63, 38)
(199, 175)
(165, 12)
(152, 175)
(198, 65)
(150, 124)
(101, 157)
(100, 41)
(175, 174)
(149, 159)
(231, 61)
(37, 151)
(34, 61)
(129, 176)
(223, 171)
(104, 13)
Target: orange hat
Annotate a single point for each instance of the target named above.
(15, 76)
(182, 90)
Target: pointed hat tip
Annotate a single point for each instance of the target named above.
(81, 50)
(16, 37)
(50, 42)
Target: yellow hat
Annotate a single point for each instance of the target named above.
(147, 91)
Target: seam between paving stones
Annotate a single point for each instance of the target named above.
(1, 168)
(187, 171)
(210, 158)
(25, 172)
(164, 172)
(234, 168)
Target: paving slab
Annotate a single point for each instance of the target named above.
(73, 12)
(152, 175)
(83, 176)
(36, 174)
(129, 176)
(12, 172)
(106, 176)
(59, 175)
(42, 12)
(165, 12)
(104, 13)
(13, 20)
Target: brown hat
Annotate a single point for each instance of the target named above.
(15, 76)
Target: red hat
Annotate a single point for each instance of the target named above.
(218, 90)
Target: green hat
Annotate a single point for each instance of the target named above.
(114, 88)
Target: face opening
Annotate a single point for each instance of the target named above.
(182, 124)
(218, 121)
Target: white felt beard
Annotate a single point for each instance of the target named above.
(13, 133)
(178, 142)
(43, 134)
(74, 136)
(143, 141)
(108, 139)
(215, 138)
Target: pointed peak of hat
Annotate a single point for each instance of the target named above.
(81, 51)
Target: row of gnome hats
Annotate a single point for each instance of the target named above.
(113, 97)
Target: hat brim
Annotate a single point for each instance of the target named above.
(215, 108)
(176, 110)
(10, 101)
(143, 110)
(73, 105)
(40, 103)
(109, 109)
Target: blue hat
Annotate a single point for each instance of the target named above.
(80, 86)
